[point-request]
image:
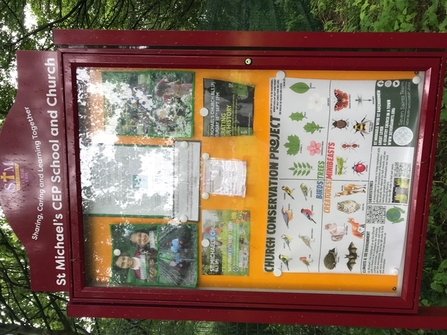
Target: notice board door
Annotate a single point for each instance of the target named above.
(242, 180)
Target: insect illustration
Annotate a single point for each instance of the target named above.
(363, 127)
(352, 256)
(359, 168)
(350, 146)
(360, 100)
(288, 191)
(308, 214)
(287, 216)
(342, 100)
(341, 165)
(287, 239)
(340, 124)
(285, 259)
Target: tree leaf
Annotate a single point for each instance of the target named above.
(300, 88)
(293, 145)
(312, 127)
(437, 287)
(297, 116)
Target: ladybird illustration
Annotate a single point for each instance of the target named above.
(359, 168)
(340, 124)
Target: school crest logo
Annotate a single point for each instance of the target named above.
(14, 177)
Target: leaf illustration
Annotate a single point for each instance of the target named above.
(301, 168)
(312, 127)
(300, 88)
(297, 116)
(293, 145)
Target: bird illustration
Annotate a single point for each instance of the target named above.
(308, 214)
(287, 216)
(288, 191)
(285, 259)
(306, 240)
(305, 190)
(306, 261)
(287, 239)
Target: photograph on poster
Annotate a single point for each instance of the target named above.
(230, 108)
(153, 255)
(225, 242)
(141, 103)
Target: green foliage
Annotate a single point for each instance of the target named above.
(21, 309)
(381, 15)
(293, 145)
(19, 34)
(407, 16)
(312, 127)
(301, 169)
(279, 15)
(300, 88)
(297, 116)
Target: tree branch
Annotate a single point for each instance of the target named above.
(48, 25)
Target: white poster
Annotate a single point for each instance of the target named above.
(340, 168)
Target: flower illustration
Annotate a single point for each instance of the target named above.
(316, 102)
(314, 148)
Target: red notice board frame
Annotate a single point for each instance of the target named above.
(230, 50)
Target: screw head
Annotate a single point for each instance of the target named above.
(248, 61)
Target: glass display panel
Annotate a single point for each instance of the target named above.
(255, 180)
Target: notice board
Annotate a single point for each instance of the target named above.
(235, 176)
(327, 211)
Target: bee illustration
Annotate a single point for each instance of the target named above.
(363, 127)
(340, 124)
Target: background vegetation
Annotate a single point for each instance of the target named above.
(25, 312)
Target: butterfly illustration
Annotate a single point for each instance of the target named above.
(342, 100)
